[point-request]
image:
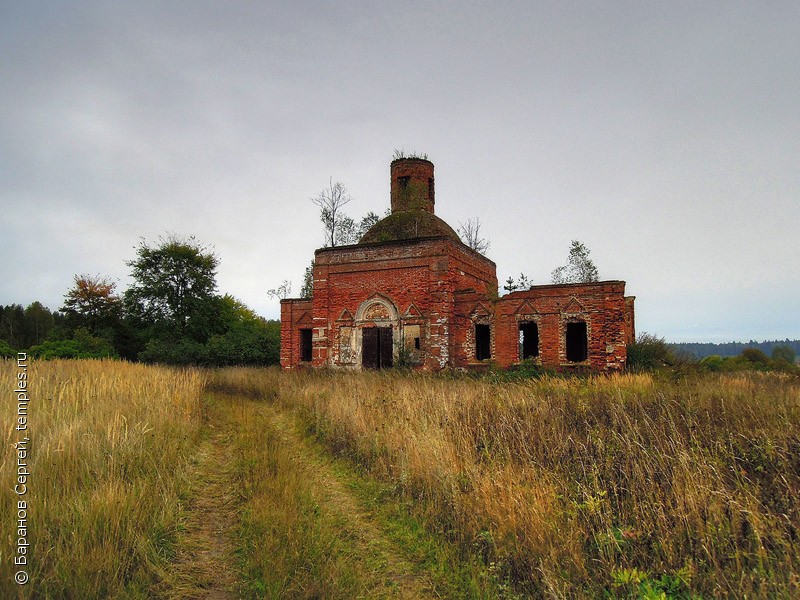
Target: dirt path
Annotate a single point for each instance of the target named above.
(397, 574)
(205, 566)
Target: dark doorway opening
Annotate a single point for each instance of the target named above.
(306, 345)
(577, 342)
(528, 340)
(376, 347)
(483, 342)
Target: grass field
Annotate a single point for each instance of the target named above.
(110, 445)
(346, 485)
(626, 485)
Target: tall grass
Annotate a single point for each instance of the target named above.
(109, 451)
(583, 487)
(312, 527)
(618, 485)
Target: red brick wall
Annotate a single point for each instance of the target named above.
(446, 289)
(630, 327)
(418, 277)
(419, 190)
(295, 315)
(471, 307)
(601, 305)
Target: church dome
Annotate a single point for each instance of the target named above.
(413, 199)
(406, 225)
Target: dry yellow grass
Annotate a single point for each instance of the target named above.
(582, 486)
(566, 487)
(109, 450)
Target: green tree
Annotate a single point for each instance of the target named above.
(22, 328)
(784, 353)
(346, 231)
(366, 223)
(308, 282)
(579, 267)
(523, 283)
(248, 338)
(12, 325)
(39, 321)
(174, 288)
(242, 338)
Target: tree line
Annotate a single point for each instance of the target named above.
(702, 349)
(652, 352)
(172, 314)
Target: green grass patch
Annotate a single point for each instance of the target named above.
(453, 571)
(291, 543)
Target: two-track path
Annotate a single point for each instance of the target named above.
(206, 565)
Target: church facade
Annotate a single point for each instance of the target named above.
(411, 293)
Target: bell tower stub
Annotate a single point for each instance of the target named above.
(412, 184)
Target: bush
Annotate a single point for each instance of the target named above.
(756, 356)
(6, 351)
(243, 345)
(254, 343)
(649, 352)
(751, 359)
(784, 354)
(182, 351)
(82, 345)
(714, 362)
(527, 369)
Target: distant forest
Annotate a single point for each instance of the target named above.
(702, 349)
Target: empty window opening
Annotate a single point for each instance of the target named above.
(577, 342)
(528, 340)
(411, 341)
(403, 181)
(483, 342)
(305, 345)
(376, 347)
(430, 189)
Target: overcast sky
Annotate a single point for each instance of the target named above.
(663, 135)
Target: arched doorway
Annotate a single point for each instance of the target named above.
(378, 319)
(377, 347)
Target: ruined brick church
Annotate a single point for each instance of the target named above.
(411, 292)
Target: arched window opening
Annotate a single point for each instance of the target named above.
(577, 342)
